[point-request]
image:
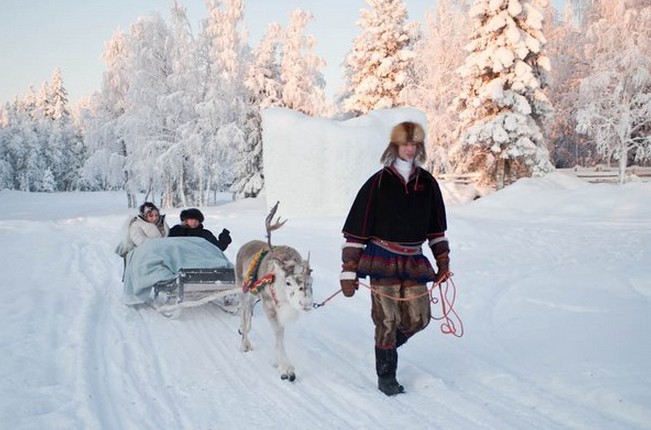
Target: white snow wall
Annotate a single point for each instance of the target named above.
(315, 166)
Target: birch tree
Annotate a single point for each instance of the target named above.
(223, 111)
(566, 50)
(615, 98)
(437, 57)
(101, 117)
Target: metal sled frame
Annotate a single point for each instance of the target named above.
(193, 287)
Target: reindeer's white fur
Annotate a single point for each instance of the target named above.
(282, 301)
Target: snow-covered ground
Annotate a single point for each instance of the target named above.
(554, 289)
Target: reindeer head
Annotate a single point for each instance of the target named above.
(295, 278)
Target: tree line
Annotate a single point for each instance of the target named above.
(511, 88)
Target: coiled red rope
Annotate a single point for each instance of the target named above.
(450, 321)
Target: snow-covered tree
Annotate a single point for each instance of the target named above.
(48, 184)
(16, 138)
(503, 101)
(6, 167)
(379, 66)
(25, 143)
(263, 77)
(582, 9)
(101, 116)
(63, 147)
(38, 139)
(148, 134)
(566, 47)
(221, 112)
(185, 91)
(265, 87)
(302, 82)
(615, 99)
(58, 99)
(437, 57)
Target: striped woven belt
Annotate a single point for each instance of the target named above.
(398, 249)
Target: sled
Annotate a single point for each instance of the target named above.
(170, 274)
(192, 288)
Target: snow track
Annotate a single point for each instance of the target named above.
(556, 313)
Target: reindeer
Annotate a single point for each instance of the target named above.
(283, 283)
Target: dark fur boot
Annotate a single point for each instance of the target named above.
(386, 362)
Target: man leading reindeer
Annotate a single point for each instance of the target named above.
(398, 209)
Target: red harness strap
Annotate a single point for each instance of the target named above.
(256, 286)
(252, 283)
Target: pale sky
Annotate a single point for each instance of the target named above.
(38, 36)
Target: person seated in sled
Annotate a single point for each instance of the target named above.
(192, 225)
(148, 224)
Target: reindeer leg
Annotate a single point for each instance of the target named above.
(282, 362)
(248, 301)
(286, 368)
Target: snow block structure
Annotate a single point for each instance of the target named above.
(335, 157)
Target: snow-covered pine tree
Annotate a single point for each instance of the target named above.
(38, 137)
(14, 125)
(302, 82)
(25, 143)
(379, 65)
(64, 148)
(503, 101)
(48, 183)
(6, 167)
(263, 76)
(437, 57)
(615, 98)
(264, 84)
(58, 98)
(248, 169)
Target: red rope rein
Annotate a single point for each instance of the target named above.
(318, 305)
(450, 321)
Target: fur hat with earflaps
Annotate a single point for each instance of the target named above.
(147, 207)
(402, 133)
(192, 213)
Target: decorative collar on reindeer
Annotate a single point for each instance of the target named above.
(251, 282)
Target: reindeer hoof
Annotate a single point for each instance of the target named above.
(291, 377)
(246, 346)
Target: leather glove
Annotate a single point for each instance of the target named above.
(443, 265)
(348, 281)
(224, 239)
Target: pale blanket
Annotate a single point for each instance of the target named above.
(161, 259)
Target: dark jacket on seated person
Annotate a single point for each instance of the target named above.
(191, 226)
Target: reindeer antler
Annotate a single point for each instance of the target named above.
(275, 226)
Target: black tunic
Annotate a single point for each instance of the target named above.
(386, 208)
